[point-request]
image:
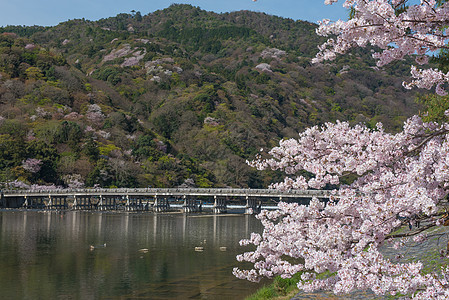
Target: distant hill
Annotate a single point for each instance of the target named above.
(178, 97)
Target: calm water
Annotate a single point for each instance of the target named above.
(48, 255)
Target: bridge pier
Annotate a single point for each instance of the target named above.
(36, 202)
(252, 207)
(190, 205)
(25, 203)
(57, 202)
(82, 202)
(135, 203)
(129, 206)
(107, 203)
(100, 204)
(219, 206)
(160, 204)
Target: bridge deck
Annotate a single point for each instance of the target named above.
(155, 199)
(225, 192)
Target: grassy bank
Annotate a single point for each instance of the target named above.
(279, 289)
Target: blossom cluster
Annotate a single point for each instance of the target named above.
(399, 28)
(398, 180)
(32, 165)
(18, 184)
(94, 114)
(74, 181)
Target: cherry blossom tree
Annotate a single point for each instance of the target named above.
(95, 115)
(389, 190)
(32, 165)
(399, 28)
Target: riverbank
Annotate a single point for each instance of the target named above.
(285, 289)
(279, 289)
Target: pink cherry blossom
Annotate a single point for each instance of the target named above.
(32, 165)
(417, 30)
(401, 180)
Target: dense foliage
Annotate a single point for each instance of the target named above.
(176, 97)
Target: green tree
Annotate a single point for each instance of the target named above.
(100, 175)
(138, 16)
(49, 157)
(90, 149)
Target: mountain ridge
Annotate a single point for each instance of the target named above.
(178, 97)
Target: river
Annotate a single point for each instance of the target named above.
(103, 255)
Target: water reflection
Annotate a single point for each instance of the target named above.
(85, 255)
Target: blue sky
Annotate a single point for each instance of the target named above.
(52, 12)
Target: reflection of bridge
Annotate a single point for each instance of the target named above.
(155, 199)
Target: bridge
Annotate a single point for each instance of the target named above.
(156, 199)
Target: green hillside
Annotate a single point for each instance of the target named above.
(180, 96)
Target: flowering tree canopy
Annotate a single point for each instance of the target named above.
(398, 28)
(32, 165)
(401, 180)
(389, 189)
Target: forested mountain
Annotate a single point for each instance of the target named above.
(180, 96)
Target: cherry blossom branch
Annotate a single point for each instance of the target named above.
(426, 140)
(408, 234)
(383, 26)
